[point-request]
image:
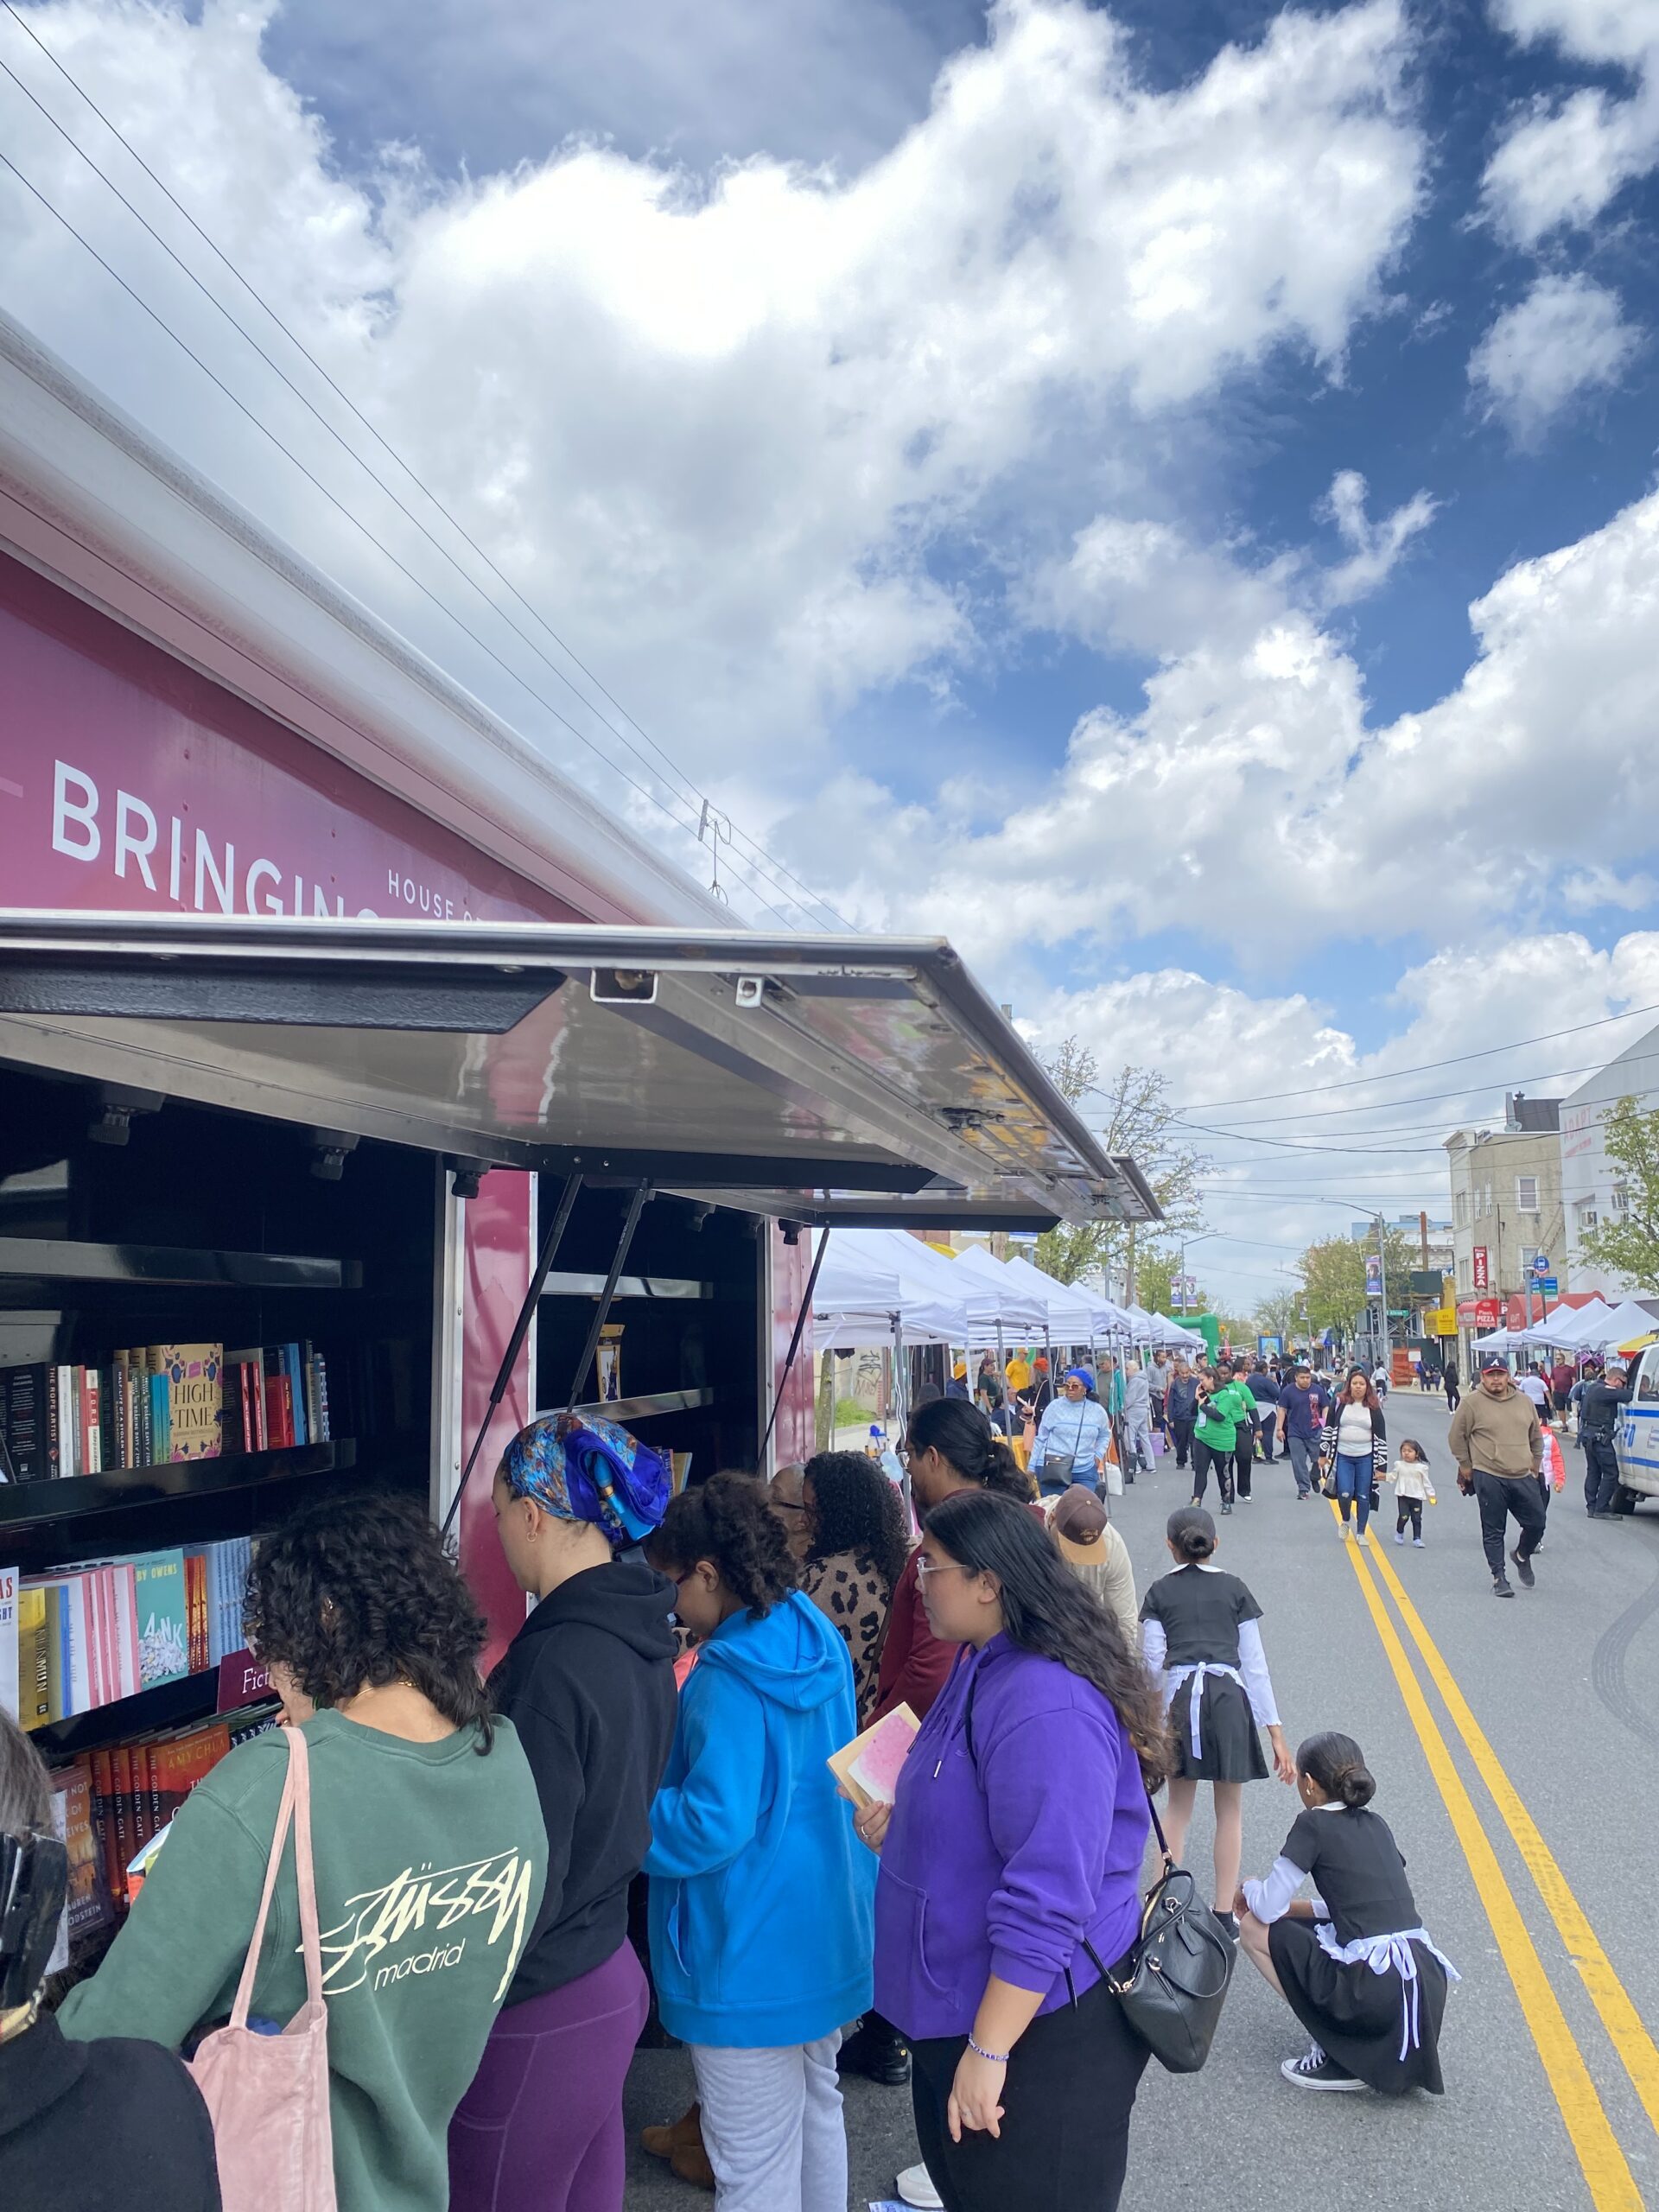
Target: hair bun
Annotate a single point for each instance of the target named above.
(1357, 1787)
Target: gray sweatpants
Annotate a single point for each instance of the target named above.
(773, 2126)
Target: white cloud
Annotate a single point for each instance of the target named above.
(1563, 160)
(719, 423)
(1567, 336)
(1375, 546)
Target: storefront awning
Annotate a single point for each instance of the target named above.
(822, 1079)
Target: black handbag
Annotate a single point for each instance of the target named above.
(1176, 1974)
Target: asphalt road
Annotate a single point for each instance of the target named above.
(1559, 1690)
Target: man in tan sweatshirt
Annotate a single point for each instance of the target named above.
(1499, 1447)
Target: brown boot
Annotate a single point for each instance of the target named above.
(690, 2163)
(683, 2135)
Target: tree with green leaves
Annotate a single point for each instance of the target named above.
(1628, 1245)
(1131, 1113)
(1333, 1272)
(1281, 1316)
(1154, 1284)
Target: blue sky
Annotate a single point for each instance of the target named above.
(1034, 470)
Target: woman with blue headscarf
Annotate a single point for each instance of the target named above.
(1071, 1437)
(588, 1683)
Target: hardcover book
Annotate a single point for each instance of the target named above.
(194, 1397)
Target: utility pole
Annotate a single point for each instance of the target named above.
(1128, 1268)
(1383, 1271)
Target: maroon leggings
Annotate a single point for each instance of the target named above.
(541, 2128)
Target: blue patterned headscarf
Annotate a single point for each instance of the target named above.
(590, 1471)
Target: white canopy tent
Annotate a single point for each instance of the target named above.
(1020, 1313)
(1623, 1326)
(880, 1287)
(1502, 1340)
(1176, 1338)
(1071, 1318)
(1571, 1327)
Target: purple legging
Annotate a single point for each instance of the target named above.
(540, 2130)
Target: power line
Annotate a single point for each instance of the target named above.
(1347, 1082)
(757, 860)
(1390, 1105)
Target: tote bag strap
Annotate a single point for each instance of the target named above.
(295, 1806)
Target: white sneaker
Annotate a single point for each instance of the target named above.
(1346, 1529)
(916, 2187)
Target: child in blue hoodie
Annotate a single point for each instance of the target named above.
(762, 1898)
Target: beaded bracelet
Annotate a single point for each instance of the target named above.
(996, 2057)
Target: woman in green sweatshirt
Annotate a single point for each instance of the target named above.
(1214, 1437)
(427, 1839)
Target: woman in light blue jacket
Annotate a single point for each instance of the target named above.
(1074, 1431)
(761, 1896)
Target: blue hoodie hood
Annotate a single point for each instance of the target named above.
(793, 1658)
(761, 1895)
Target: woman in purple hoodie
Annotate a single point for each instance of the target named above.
(1010, 1872)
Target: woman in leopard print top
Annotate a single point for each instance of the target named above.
(856, 1549)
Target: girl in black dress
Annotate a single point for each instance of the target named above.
(1199, 1633)
(1354, 1964)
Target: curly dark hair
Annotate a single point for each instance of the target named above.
(855, 1508)
(359, 1592)
(728, 1522)
(1046, 1610)
(962, 1436)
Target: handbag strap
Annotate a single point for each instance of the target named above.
(295, 1806)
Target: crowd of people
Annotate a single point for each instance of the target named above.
(661, 1727)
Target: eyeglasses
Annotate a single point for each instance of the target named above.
(942, 1566)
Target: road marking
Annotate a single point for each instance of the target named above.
(1607, 2176)
(1608, 1992)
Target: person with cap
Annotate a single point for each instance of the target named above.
(957, 1386)
(83, 2126)
(1498, 1444)
(1040, 1396)
(588, 1683)
(1097, 1555)
(1599, 1400)
(1071, 1437)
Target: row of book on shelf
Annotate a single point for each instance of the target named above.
(111, 1806)
(156, 1403)
(80, 1636)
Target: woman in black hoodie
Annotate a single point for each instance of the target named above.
(588, 1683)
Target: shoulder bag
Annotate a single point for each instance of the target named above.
(268, 2096)
(1176, 1972)
(1056, 1465)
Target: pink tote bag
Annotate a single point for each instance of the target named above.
(268, 2096)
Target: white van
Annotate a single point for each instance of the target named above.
(1637, 1432)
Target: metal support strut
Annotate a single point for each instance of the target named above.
(801, 1320)
(550, 1244)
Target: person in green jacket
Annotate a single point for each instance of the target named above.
(427, 1839)
(1214, 1437)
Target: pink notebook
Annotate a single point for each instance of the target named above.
(867, 1768)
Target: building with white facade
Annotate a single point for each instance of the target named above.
(1591, 1189)
(1506, 1211)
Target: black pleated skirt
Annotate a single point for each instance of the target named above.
(1230, 1750)
(1357, 2016)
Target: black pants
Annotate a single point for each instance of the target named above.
(1180, 1435)
(1205, 1456)
(1264, 1427)
(1065, 2142)
(1244, 1458)
(1410, 1509)
(1600, 1473)
(1498, 1495)
(1454, 1398)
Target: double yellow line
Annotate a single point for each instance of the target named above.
(1607, 2172)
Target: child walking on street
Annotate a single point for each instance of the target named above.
(1199, 1633)
(1353, 1963)
(1410, 1475)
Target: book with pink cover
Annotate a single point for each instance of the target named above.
(867, 1768)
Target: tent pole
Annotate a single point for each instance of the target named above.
(801, 1320)
(550, 1244)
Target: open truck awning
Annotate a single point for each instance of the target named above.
(821, 1078)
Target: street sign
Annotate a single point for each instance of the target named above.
(1547, 1286)
(1540, 1265)
(1479, 1259)
(1374, 1275)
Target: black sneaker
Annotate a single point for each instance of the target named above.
(877, 2054)
(1316, 2071)
(1501, 1586)
(1229, 1925)
(1523, 1568)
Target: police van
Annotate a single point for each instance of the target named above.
(1637, 1433)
